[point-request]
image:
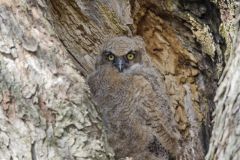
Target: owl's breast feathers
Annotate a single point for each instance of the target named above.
(136, 102)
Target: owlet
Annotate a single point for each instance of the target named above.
(131, 98)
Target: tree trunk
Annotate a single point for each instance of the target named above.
(225, 141)
(46, 111)
(48, 48)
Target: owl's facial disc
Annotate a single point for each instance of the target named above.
(121, 61)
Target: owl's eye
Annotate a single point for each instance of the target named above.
(130, 56)
(110, 57)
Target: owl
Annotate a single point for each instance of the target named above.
(131, 98)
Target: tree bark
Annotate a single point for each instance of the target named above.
(48, 48)
(46, 111)
(225, 141)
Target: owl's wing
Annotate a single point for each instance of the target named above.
(156, 106)
(92, 81)
(97, 80)
(160, 100)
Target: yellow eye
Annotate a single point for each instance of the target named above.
(110, 57)
(130, 56)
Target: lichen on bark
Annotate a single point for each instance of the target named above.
(46, 111)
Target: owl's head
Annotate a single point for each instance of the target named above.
(122, 53)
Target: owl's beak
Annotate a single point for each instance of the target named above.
(120, 64)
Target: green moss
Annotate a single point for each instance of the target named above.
(171, 5)
(228, 28)
(228, 31)
(203, 36)
(112, 20)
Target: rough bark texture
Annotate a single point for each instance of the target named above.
(225, 140)
(46, 111)
(180, 44)
(46, 107)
